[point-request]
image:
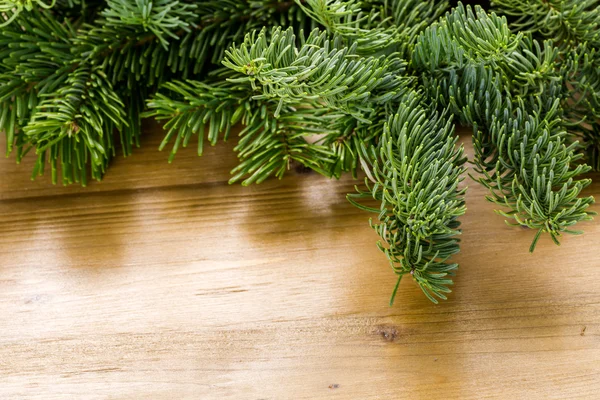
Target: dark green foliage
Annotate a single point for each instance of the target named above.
(574, 26)
(509, 88)
(414, 172)
(74, 125)
(334, 85)
(35, 58)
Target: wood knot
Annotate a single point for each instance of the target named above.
(389, 333)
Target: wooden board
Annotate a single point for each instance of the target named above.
(165, 282)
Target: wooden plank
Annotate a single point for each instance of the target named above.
(165, 282)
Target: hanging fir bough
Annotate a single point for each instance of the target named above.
(337, 86)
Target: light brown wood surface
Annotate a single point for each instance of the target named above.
(165, 282)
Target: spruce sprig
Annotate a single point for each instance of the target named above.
(415, 172)
(507, 87)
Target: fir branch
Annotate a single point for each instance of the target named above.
(508, 88)
(75, 126)
(189, 107)
(533, 172)
(161, 17)
(268, 144)
(31, 65)
(563, 21)
(415, 173)
(375, 27)
(575, 27)
(10, 9)
(319, 70)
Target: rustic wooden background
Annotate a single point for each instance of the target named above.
(165, 282)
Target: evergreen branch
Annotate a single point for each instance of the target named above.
(318, 71)
(161, 17)
(75, 126)
(320, 74)
(465, 36)
(508, 87)
(575, 26)
(581, 72)
(563, 21)
(533, 172)
(268, 144)
(127, 52)
(190, 106)
(12, 8)
(375, 27)
(415, 173)
(30, 66)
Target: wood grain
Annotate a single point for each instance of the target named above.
(165, 282)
